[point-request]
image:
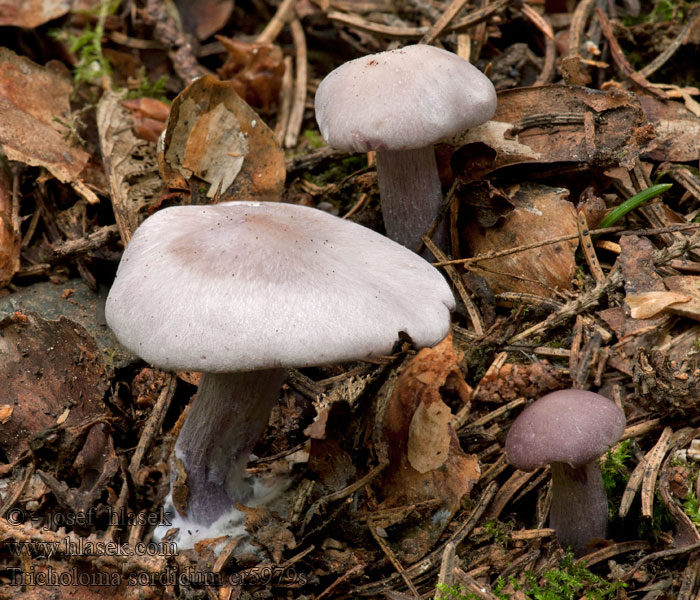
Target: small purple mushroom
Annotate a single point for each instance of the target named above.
(400, 103)
(570, 430)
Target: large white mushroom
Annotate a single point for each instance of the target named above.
(243, 290)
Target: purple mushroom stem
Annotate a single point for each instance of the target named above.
(411, 195)
(579, 510)
(227, 416)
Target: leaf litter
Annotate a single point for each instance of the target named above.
(401, 482)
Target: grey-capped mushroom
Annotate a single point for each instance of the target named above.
(400, 103)
(241, 291)
(569, 430)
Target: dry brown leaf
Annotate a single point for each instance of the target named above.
(555, 123)
(429, 436)
(413, 408)
(213, 134)
(329, 458)
(63, 416)
(31, 13)
(130, 165)
(149, 117)
(34, 112)
(650, 304)
(5, 413)
(204, 17)
(484, 203)
(47, 367)
(677, 130)
(540, 213)
(256, 70)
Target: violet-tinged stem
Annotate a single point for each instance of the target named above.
(227, 416)
(411, 195)
(579, 511)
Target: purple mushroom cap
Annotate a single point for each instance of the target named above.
(568, 426)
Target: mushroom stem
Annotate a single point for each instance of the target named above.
(579, 512)
(227, 416)
(411, 195)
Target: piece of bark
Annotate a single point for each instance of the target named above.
(556, 123)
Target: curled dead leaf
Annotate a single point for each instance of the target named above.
(540, 213)
(214, 135)
(256, 70)
(149, 117)
(417, 474)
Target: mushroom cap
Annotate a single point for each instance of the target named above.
(568, 426)
(254, 285)
(402, 99)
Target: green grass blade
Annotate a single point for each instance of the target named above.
(634, 202)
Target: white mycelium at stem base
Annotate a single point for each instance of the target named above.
(228, 415)
(240, 291)
(400, 103)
